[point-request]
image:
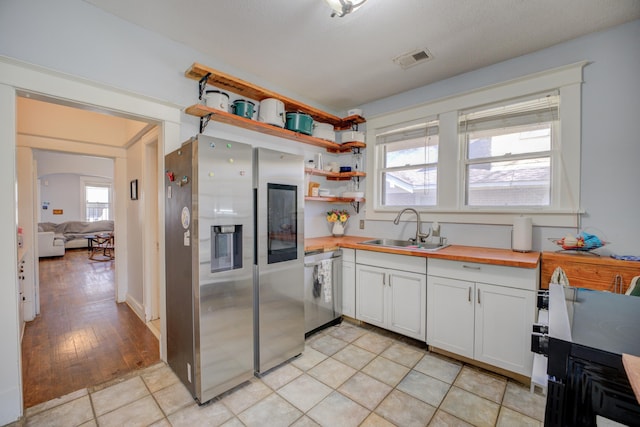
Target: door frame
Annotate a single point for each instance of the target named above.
(17, 77)
(152, 197)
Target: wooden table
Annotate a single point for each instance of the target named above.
(101, 247)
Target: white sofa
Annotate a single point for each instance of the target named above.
(71, 234)
(50, 244)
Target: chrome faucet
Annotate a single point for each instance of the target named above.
(420, 237)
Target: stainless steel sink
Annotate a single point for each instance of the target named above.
(392, 243)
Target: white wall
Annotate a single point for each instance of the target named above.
(10, 363)
(60, 191)
(61, 182)
(134, 239)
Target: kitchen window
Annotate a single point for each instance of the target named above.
(409, 164)
(508, 150)
(485, 156)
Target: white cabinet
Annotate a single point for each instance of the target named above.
(349, 282)
(371, 289)
(504, 317)
(450, 315)
(483, 312)
(391, 292)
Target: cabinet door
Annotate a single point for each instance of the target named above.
(349, 289)
(407, 299)
(370, 289)
(503, 327)
(450, 315)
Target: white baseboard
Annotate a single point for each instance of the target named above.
(137, 308)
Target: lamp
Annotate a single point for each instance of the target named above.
(343, 7)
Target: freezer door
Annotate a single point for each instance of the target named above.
(279, 295)
(179, 274)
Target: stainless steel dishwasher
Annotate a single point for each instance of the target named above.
(322, 289)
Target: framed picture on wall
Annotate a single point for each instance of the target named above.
(134, 189)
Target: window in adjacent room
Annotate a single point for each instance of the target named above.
(409, 169)
(508, 152)
(97, 197)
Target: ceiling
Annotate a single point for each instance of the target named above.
(342, 63)
(54, 121)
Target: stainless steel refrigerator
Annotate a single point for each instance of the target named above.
(279, 279)
(209, 231)
(228, 286)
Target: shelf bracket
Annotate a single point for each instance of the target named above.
(204, 121)
(202, 83)
(356, 206)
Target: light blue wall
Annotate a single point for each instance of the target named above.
(610, 134)
(76, 38)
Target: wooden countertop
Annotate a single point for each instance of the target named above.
(478, 254)
(632, 367)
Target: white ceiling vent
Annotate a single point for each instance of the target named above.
(407, 60)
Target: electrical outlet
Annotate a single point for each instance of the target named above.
(362, 224)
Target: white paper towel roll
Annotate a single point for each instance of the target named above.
(522, 234)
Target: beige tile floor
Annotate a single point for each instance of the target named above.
(348, 375)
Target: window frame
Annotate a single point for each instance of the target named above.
(427, 124)
(551, 117)
(94, 182)
(564, 207)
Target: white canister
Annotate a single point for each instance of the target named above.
(521, 239)
(217, 99)
(272, 112)
(324, 131)
(354, 112)
(352, 136)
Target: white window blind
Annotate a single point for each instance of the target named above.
(508, 151)
(408, 171)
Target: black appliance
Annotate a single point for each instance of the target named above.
(587, 334)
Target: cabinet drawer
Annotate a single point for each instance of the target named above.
(513, 277)
(348, 255)
(396, 262)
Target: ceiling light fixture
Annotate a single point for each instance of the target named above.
(343, 7)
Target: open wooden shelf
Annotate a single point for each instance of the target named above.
(241, 87)
(200, 110)
(334, 199)
(334, 176)
(347, 146)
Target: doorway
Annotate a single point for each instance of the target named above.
(91, 328)
(14, 78)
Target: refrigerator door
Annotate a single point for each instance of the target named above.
(279, 295)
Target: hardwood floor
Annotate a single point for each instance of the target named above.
(82, 337)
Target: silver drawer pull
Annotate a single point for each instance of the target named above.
(469, 296)
(470, 267)
(478, 296)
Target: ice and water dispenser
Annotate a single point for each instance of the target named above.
(226, 247)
